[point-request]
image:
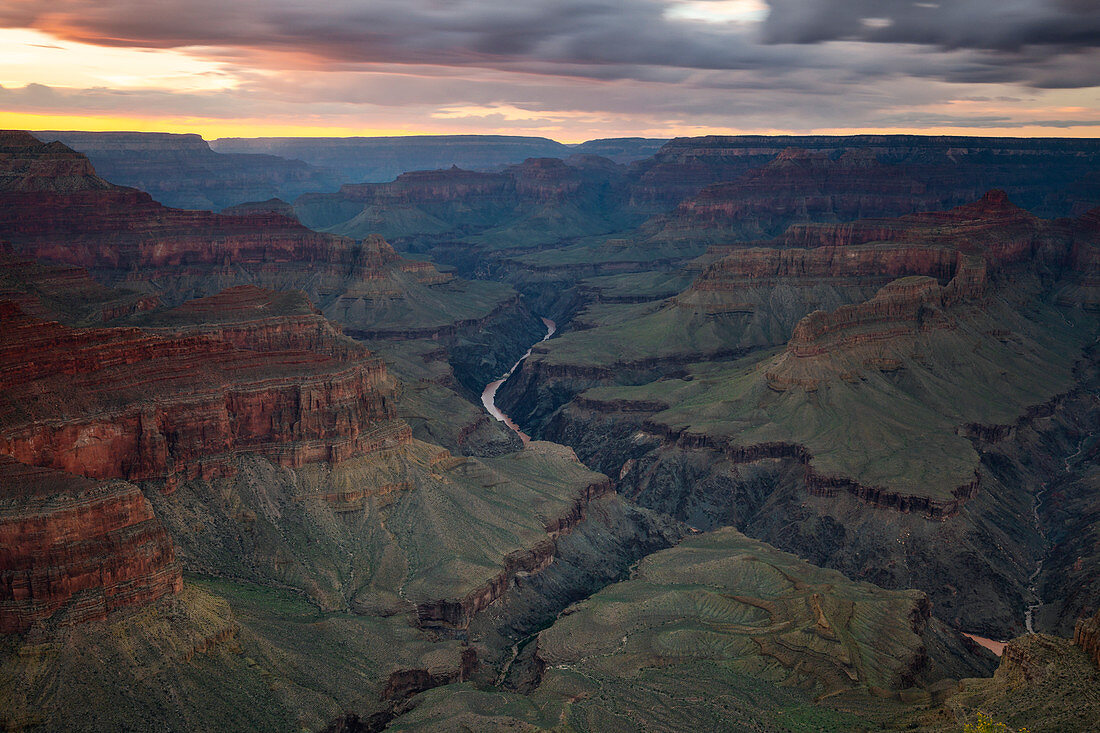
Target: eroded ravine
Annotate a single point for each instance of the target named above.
(488, 396)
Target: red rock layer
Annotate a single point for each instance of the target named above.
(874, 333)
(126, 403)
(877, 251)
(63, 292)
(902, 307)
(992, 226)
(762, 267)
(258, 319)
(26, 164)
(797, 185)
(53, 207)
(90, 547)
(1087, 636)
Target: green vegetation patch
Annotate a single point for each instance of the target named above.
(720, 633)
(901, 426)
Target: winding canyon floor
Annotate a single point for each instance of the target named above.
(758, 466)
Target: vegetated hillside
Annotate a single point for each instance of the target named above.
(873, 421)
(720, 632)
(228, 511)
(244, 438)
(181, 171)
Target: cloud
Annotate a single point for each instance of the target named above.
(1006, 25)
(585, 38)
(596, 65)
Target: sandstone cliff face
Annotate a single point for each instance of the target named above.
(874, 252)
(734, 282)
(27, 165)
(126, 403)
(1087, 636)
(67, 542)
(877, 333)
(73, 217)
(123, 237)
(796, 186)
(992, 225)
(257, 319)
(61, 292)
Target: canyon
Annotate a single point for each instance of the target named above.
(802, 424)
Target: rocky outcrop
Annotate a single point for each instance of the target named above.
(67, 542)
(53, 206)
(877, 333)
(407, 682)
(734, 282)
(1086, 635)
(876, 251)
(258, 319)
(127, 403)
(457, 614)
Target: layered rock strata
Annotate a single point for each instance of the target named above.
(1086, 635)
(68, 542)
(126, 403)
(181, 170)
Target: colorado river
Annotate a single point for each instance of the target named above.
(488, 397)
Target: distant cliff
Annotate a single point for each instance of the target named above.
(183, 172)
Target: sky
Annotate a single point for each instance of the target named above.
(571, 70)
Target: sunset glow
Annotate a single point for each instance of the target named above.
(652, 68)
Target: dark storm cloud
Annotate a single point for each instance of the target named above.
(1006, 25)
(599, 39)
(811, 63)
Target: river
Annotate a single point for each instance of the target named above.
(488, 397)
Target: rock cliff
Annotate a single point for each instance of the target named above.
(123, 237)
(127, 403)
(83, 546)
(1087, 636)
(183, 172)
(1050, 177)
